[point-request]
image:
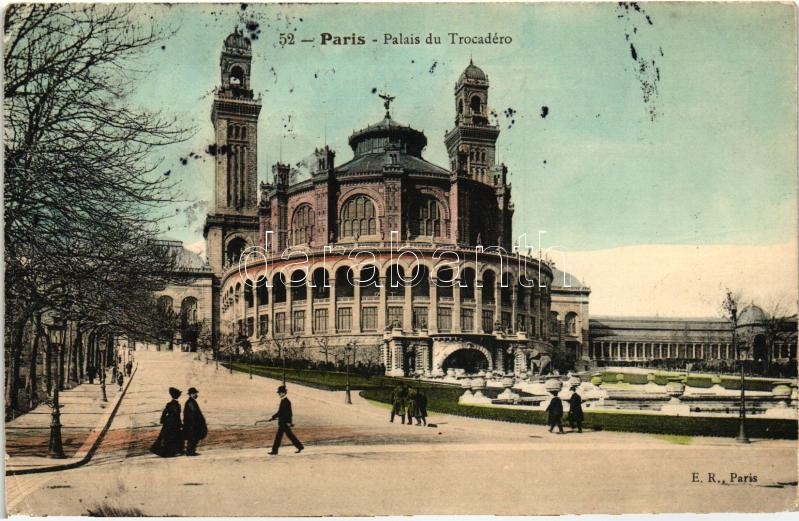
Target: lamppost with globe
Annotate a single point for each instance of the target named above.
(732, 308)
(56, 331)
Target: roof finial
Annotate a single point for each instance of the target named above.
(387, 103)
(471, 62)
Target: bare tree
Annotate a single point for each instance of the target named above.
(81, 192)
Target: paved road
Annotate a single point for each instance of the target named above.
(357, 463)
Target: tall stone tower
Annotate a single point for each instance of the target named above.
(478, 184)
(232, 224)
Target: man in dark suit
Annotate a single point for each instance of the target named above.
(284, 423)
(194, 426)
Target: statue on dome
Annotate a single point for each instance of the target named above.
(387, 102)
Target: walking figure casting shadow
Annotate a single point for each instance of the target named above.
(170, 440)
(194, 426)
(284, 423)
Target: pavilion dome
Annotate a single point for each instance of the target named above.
(751, 316)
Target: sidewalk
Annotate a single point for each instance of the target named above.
(84, 420)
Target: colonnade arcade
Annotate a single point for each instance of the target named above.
(417, 304)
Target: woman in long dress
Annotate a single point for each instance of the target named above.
(576, 410)
(170, 440)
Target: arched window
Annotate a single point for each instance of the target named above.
(321, 284)
(554, 326)
(571, 323)
(164, 303)
(426, 217)
(475, 105)
(358, 217)
(444, 283)
(369, 282)
(261, 290)
(298, 286)
(279, 289)
(344, 281)
(234, 249)
(395, 281)
(188, 311)
(489, 281)
(302, 225)
(236, 76)
(460, 106)
(420, 282)
(467, 284)
(248, 298)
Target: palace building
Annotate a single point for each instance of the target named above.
(405, 258)
(403, 262)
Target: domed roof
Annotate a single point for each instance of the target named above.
(389, 143)
(473, 72)
(558, 277)
(237, 40)
(385, 134)
(751, 315)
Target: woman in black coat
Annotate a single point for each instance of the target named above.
(170, 439)
(576, 416)
(555, 410)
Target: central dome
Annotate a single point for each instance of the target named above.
(388, 135)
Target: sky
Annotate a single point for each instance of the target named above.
(669, 124)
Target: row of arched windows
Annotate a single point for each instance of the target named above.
(396, 280)
(188, 309)
(477, 154)
(237, 132)
(358, 218)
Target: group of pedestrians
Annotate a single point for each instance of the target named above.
(555, 412)
(193, 428)
(409, 403)
(174, 432)
(117, 376)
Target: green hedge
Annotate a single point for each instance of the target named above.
(751, 385)
(694, 380)
(704, 382)
(445, 400)
(327, 380)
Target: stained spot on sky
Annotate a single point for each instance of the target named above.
(544, 111)
(433, 67)
(374, 90)
(647, 73)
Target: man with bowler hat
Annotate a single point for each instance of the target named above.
(284, 423)
(194, 426)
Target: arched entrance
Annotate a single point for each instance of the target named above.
(468, 356)
(470, 360)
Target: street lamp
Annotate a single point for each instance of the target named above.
(56, 332)
(102, 347)
(349, 349)
(732, 308)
